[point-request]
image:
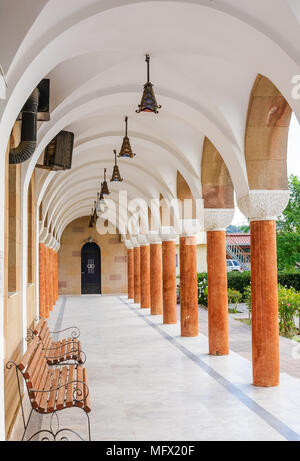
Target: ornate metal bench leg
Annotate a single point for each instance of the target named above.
(89, 427)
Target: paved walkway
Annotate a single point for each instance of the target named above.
(148, 383)
(240, 342)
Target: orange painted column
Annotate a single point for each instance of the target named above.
(51, 278)
(42, 295)
(169, 282)
(47, 299)
(56, 276)
(264, 296)
(217, 293)
(137, 275)
(56, 266)
(145, 277)
(189, 287)
(130, 261)
(156, 279)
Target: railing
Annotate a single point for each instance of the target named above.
(236, 252)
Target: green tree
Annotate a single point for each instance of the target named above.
(288, 229)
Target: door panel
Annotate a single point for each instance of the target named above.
(90, 269)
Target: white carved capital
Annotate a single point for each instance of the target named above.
(128, 244)
(153, 238)
(264, 205)
(43, 235)
(168, 234)
(142, 239)
(217, 219)
(190, 227)
(134, 242)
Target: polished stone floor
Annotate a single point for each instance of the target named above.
(148, 383)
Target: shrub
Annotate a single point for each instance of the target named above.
(247, 299)
(234, 297)
(289, 309)
(202, 291)
(290, 279)
(238, 280)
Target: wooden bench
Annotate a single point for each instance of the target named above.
(51, 390)
(62, 351)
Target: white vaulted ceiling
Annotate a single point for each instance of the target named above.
(205, 56)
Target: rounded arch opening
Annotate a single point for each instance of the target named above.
(90, 269)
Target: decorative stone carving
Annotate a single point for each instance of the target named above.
(43, 235)
(264, 205)
(134, 242)
(128, 244)
(190, 227)
(142, 239)
(153, 237)
(217, 219)
(168, 234)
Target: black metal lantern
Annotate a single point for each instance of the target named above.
(91, 223)
(95, 216)
(104, 189)
(126, 150)
(148, 102)
(116, 177)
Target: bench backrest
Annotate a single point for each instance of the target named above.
(34, 367)
(42, 331)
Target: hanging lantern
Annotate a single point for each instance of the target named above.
(95, 216)
(100, 201)
(116, 177)
(91, 223)
(126, 150)
(148, 102)
(104, 189)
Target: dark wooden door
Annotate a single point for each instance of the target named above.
(90, 269)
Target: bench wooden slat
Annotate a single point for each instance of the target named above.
(70, 389)
(45, 395)
(87, 402)
(62, 350)
(39, 326)
(79, 386)
(55, 382)
(29, 372)
(28, 354)
(69, 348)
(62, 391)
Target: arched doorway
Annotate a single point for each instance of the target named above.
(90, 269)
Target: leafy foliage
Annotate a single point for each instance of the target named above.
(288, 229)
(289, 310)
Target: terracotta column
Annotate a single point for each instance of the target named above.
(56, 286)
(130, 271)
(42, 306)
(137, 274)
(156, 277)
(145, 273)
(169, 281)
(262, 208)
(265, 330)
(216, 220)
(46, 270)
(217, 293)
(53, 277)
(189, 287)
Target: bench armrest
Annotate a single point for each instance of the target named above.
(74, 334)
(77, 391)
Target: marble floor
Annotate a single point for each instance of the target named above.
(148, 383)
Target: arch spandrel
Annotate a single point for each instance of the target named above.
(217, 187)
(266, 137)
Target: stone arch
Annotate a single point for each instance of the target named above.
(217, 187)
(266, 137)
